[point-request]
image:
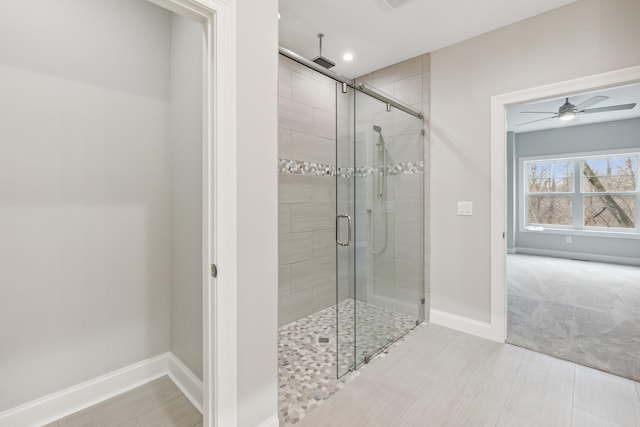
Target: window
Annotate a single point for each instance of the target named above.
(610, 192)
(604, 197)
(550, 185)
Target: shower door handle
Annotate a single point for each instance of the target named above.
(348, 217)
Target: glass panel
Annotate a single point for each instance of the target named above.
(550, 177)
(550, 210)
(610, 211)
(345, 272)
(389, 203)
(612, 174)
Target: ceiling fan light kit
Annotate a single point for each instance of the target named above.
(569, 115)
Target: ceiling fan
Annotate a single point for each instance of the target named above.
(568, 111)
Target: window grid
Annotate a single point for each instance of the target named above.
(578, 193)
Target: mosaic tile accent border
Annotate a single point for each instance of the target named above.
(403, 168)
(298, 167)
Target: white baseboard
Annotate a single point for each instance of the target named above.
(579, 255)
(460, 323)
(187, 382)
(76, 398)
(271, 422)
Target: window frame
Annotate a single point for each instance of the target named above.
(577, 227)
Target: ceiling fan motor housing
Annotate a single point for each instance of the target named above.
(567, 107)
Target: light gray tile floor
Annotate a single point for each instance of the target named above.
(585, 312)
(440, 377)
(157, 403)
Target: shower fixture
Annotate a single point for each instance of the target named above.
(382, 162)
(381, 193)
(321, 60)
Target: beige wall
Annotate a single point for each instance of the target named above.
(186, 192)
(601, 35)
(84, 201)
(102, 192)
(307, 201)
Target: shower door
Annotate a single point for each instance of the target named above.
(380, 226)
(345, 230)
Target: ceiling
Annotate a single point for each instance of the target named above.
(378, 35)
(627, 94)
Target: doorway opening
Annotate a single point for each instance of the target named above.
(573, 263)
(568, 208)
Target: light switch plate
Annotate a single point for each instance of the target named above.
(465, 208)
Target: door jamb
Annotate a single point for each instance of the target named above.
(219, 224)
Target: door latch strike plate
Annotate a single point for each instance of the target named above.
(214, 270)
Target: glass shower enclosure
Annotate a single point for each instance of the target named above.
(379, 224)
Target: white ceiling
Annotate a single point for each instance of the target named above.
(379, 36)
(620, 95)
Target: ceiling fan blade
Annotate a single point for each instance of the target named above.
(538, 112)
(539, 120)
(610, 108)
(591, 101)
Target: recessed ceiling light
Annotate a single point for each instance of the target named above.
(278, 15)
(347, 56)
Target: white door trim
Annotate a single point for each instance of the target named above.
(219, 227)
(499, 103)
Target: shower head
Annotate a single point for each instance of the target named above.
(380, 142)
(321, 60)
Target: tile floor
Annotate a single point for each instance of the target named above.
(155, 404)
(433, 377)
(441, 377)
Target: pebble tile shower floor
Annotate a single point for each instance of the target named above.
(308, 365)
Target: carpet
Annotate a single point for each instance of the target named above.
(584, 312)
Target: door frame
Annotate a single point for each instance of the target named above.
(499, 104)
(219, 224)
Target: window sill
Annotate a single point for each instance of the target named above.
(585, 233)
